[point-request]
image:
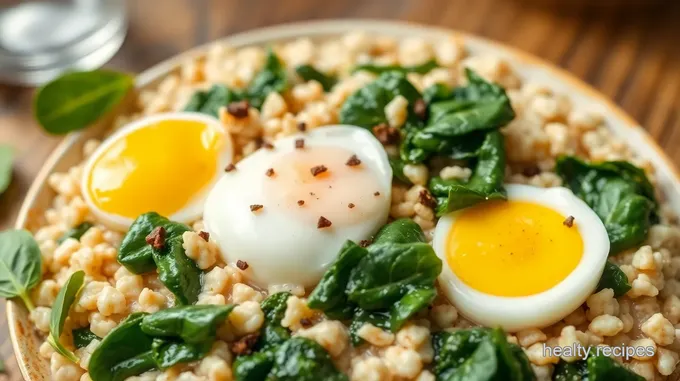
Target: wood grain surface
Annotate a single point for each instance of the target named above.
(627, 49)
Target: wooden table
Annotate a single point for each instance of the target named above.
(631, 53)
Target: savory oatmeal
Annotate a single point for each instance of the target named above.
(321, 253)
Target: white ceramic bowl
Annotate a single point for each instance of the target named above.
(26, 342)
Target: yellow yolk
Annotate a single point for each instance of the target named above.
(328, 194)
(512, 248)
(160, 167)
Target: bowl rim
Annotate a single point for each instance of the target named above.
(321, 28)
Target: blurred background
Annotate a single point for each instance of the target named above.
(628, 49)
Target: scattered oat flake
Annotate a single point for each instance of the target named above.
(319, 169)
(270, 172)
(205, 235)
(238, 109)
(242, 265)
(256, 207)
(244, 345)
(301, 202)
(353, 161)
(230, 167)
(323, 223)
(351, 205)
(299, 143)
(156, 238)
(569, 221)
(302, 126)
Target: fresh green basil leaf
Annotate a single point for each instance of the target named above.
(209, 102)
(403, 230)
(272, 333)
(6, 160)
(379, 319)
(329, 295)
(272, 78)
(618, 192)
(485, 184)
(177, 272)
(479, 354)
(423, 68)
(20, 265)
(366, 107)
(309, 73)
(76, 232)
(82, 337)
(193, 324)
(613, 277)
(301, 359)
(75, 100)
(60, 309)
(254, 367)
(167, 352)
(390, 271)
(123, 353)
(134, 253)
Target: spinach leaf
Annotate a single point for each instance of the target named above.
(60, 309)
(458, 120)
(272, 78)
(177, 272)
(193, 324)
(75, 100)
(366, 106)
(613, 277)
(123, 353)
(618, 192)
(167, 352)
(397, 165)
(329, 294)
(361, 317)
(300, 359)
(209, 102)
(254, 367)
(75, 232)
(594, 368)
(423, 68)
(391, 280)
(82, 337)
(272, 333)
(485, 184)
(6, 159)
(309, 73)
(479, 354)
(20, 265)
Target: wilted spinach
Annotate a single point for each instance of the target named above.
(177, 272)
(272, 78)
(209, 102)
(380, 319)
(613, 277)
(82, 337)
(20, 265)
(391, 280)
(309, 73)
(366, 107)
(75, 232)
(297, 359)
(594, 368)
(479, 354)
(486, 182)
(618, 192)
(60, 309)
(144, 342)
(272, 333)
(423, 68)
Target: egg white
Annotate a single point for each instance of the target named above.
(281, 250)
(545, 308)
(194, 208)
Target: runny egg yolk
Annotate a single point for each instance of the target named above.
(344, 194)
(512, 248)
(159, 167)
